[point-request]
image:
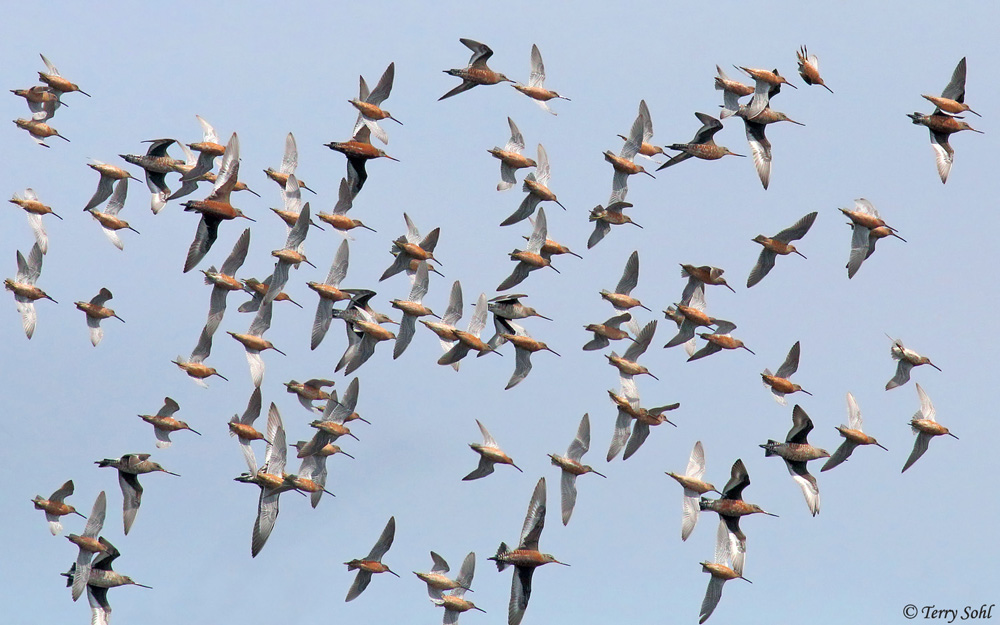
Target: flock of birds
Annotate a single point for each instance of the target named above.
(414, 255)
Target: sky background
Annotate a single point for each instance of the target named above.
(882, 540)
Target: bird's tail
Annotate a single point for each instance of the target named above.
(502, 551)
(769, 448)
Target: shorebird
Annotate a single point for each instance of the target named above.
(195, 366)
(477, 72)
(437, 582)
(509, 306)
(35, 209)
(694, 487)
(698, 277)
(623, 163)
(163, 422)
(732, 91)
(329, 293)
(730, 507)
(455, 603)
(511, 158)
(551, 246)
(941, 126)
(626, 363)
(216, 207)
(338, 218)
(536, 186)
(760, 147)
(535, 89)
(693, 312)
(526, 558)
(56, 507)
(952, 99)
(208, 149)
(292, 201)
(254, 342)
(628, 436)
(335, 415)
(532, 257)
(257, 291)
(224, 281)
(289, 163)
(99, 579)
(445, 329)
(489, 454)
(809, 69)
(867, 227)
(96, 310)
(242, 428)
(702, 145)
(719, 340)
(721, 571)
(412, 308)
(38, 131)
(853, 436)
(369, 104)
(24, 289)
(157, 164)
(796, 452)
(604, 218)
(646, 149)
(54, 79)
(778, 382)
(130, 467)
(311, 477)
(411, 246)
(925, 426)
(764, 83)
(572, 467)
(621, 297)
(358, 150)
(89, 544)
(524, 347)
(907, 360)
(608, 331)
(372, 563)
(270, 478)
(108, 218)
(42, 101)
(778, 244)
(109, 175)
(364, 332)
(291, 254)
(309, 391)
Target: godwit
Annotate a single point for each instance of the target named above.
(89, 544)
(38, 131)
(608, 331)
(311, 478)
(309, 391)
(130, 467)
(412, 308)
(55, 506)
(436, 580)
(445, 329)
(698, 277)
(358, 150)
(925, 426)
(526, 558)
(109, 175)
(477, 72)
(778, 244)
(108, 218)
(720, 571)
(628, 436)
(96, 310)
(338, 218)
(906, 359)
(732, 91)
(853, 436)
(289, 163)
(35, 209)
(952, 99)
(157, 164)
(693, 312)
(224, 281)
(254, 342)
(719, 340)
(411, 246)
(42, 101)
(292, 196)
(99, 579)
(572, 467)
(778, 383)
(24, 289)
(369, 104)
(621, 298)
(626, 363)
(809, 69)
(195, 366)
(511, 158)
(867, 228)
(760, 147)
(329, 293)
(941, 126)
(524, 346)
(796, 452)
(604, 218)
(489, 454)
(163, 422)
(764, 84)
(623, 163)
(646, 149)
(331, 422)
(208, 149)
(535, 89)
(291, 254)
(372, 563)
(694, 487)
(455, 603)
(54, 79)
(364, 332)
(532, 257)
(242, 428)
(702, 146)
(536, 186)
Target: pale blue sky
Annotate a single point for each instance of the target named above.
(882, 540)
